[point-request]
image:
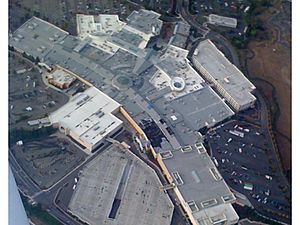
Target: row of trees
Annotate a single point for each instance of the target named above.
(256, 28)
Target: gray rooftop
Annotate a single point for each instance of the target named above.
(119, 174)
(193, 111)
(201, 108)
(186, 115)
(180, 34)
(182, 28)
(200, 185)
(144, 20)
(178, 40)
(95, 54)
(37, 37)
(122, 43)
(224, 72)
(129, 37)
(121, 62)
(222, 20)
(200, 182)
(76, 63)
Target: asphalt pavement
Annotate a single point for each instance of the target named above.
(244, 156)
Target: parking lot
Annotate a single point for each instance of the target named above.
(44, 154)
(245, 158)
(29, 97)
(236, 9)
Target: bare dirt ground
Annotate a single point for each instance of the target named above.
(275, 68)
(269, 65)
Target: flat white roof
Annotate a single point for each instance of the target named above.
(88, 115)
(108, 32)
(224, 72)
(85, 24)
(90, 24)
(222, 20)
(173, 65)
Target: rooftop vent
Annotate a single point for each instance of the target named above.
(166, 155)
(200, 147)
(102, 132)
(193, 206)
(187, 148)
(96, 128)
(177, 178)
(20, 36)
(226, 80)
(218, 220)
(228, 198)
(215, 173)
(209, 203)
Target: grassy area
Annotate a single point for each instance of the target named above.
(37, 214)
(256, 29)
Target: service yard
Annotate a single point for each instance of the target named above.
(244, 156)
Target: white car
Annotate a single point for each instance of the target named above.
(268, 177)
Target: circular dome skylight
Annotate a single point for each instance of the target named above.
(177, 84)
